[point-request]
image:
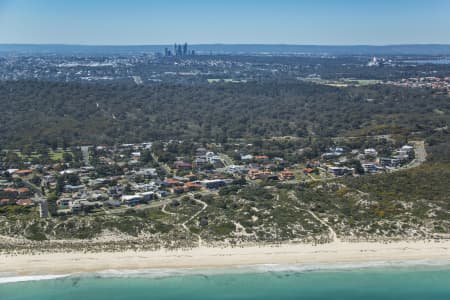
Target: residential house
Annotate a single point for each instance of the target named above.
(192, 186)
(24, 191)
(68, 188)
(148, 172)
(407, 148)
(200, 162)
(233, 169)
(23, 172)
(308, 171)
(181, 165)
(247, 157)
(261, 158)
(257, 174)
(64, 203)
(4, 202)
(200, 152)
(178, 190)
(371, 168)
(214, 183)
(170, 182)
(390, 162)
(131, 200)
(112, 203)
(25, 202)
(340, 171)
(286, 175)
(333, 152)
(162, 194)
(148, 196)
(371, 152)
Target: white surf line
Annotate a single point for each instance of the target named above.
(14, 279)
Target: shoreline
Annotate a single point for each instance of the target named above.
(336, 253)
(413, 265)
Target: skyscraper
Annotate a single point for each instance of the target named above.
(179, 50)
(185, 49)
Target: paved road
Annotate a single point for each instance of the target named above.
(85, 153)
(153, 204)
(33, 187)
(226, 160)
(420, 156)
(420, 152)
(159, 203)
(387, 137)
(165, 166)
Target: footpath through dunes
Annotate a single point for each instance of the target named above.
(192, 218)
(332, 234)
(184, 224)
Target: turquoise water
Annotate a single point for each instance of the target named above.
(395, 283)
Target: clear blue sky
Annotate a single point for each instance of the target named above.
(225, 21)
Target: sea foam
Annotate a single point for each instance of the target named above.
(13, 279)
(206, 272)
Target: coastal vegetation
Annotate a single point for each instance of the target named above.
(293, 123)
(65, 114)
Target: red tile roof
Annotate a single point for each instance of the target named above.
(24, 202)
(309, 170)
(24, 172)
(192, 184)
(172, 181)
(23, 190)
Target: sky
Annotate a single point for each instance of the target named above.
(140, 22)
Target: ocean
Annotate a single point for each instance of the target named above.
(430, 61)
(383, 282)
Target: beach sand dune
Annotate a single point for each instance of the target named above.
(205, 257)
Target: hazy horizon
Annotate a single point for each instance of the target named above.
(158, 22)
(226, 44)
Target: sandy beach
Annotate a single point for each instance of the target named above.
(287, 254)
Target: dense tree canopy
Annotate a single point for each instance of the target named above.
(62, 114)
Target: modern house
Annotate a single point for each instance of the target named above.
(170, 182)
(181, 165)
(371, 152)
(73, 188)
(286, 175)
(390, 162)
(370, 168)
(192, 186)
(64, 203)
(257, 174)
(213, 184)
(340, 171)
(132, 200)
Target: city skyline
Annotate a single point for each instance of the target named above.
(159, 22)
